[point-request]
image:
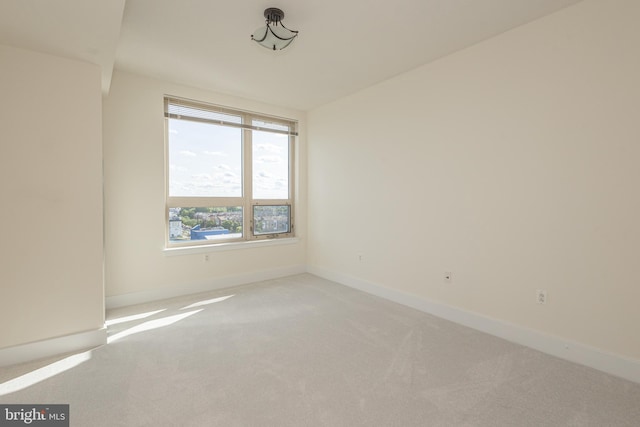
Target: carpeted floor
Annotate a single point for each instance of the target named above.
(303, 351)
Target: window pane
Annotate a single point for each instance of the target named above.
(271, 219)
(270, 165)
(205, 160)
(205, 223)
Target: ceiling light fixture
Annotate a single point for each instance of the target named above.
(274, 35)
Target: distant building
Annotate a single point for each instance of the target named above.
(198, 233)
(175, 228)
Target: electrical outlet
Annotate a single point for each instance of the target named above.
(541, 296)
(448, 276)
(206, 257)
(360, 257)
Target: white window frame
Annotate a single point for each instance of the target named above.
(246, 201)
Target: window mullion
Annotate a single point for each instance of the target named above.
(247, 177)
(292, 175)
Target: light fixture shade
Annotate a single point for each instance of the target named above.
(274, 35)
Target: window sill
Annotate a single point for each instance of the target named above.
(229, 246)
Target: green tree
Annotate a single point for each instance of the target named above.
(189, 222)
(187, 213)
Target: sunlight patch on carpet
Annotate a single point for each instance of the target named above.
(132, 317)
(207, 302)
(41, 374)
(151, 324)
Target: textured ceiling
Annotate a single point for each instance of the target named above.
(343, 46)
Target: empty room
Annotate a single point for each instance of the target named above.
(337, 213)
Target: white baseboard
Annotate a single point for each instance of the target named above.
(613, 364)
(52, 347)
(204, 286)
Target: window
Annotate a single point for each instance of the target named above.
(229, 174)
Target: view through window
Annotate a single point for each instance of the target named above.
(229, 174)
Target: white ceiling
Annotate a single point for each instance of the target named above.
(80, 29)
(343, 46)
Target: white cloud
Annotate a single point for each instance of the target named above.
(205, 185)
(176, 168)
(202, 177)
(270, 148)
(269, 159)
(215, 153)
(188, 153)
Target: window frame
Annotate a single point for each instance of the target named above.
(246, 200)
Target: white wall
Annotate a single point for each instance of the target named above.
(137, 268)
(51, 278)
(513, 164)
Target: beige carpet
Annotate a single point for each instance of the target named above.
(303, 351)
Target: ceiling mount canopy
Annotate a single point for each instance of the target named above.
(274, 35)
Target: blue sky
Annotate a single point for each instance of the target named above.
(206, 161)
